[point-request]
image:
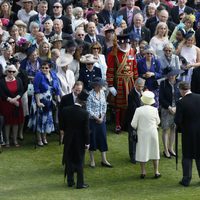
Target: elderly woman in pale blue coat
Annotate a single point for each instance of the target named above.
(169, 59)
(145, 121)
(97, 106)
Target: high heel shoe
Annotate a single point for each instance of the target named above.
(169, 157)
(157, 176)
(172, 154)
(142, 176)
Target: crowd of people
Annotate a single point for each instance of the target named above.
(127, 57)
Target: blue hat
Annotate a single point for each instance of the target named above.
(97, 81)
(169, 71)
(30, 50)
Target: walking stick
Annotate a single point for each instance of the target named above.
(176, 146)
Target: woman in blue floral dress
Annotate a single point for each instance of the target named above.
(46, 87)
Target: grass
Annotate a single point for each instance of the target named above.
(37, 174)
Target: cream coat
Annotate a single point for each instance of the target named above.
(146, 120)
(67, 81)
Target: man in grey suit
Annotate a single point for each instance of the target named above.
(187, 119)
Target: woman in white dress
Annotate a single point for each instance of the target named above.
(145, 121)
(160, 39)
(191, 53)
(65, 75)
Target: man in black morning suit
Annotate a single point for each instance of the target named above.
(75, 123)
(195, 82)
(69, 100)
(187, 119)
(133, 103)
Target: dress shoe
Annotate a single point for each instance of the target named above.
(133, 161)
(84, 186)
(71, 184)
(157, 176)
(92, 165)
(183, 184)
(45, 142)
(142, 176)
(169, 157)
(172, 154)
(106, 165)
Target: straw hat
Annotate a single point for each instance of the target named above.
(148, 98)
(20, 23)
(64, 60)
(88, 58)
(20, 3)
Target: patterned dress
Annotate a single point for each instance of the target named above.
(41, 119)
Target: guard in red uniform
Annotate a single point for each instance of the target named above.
(121, 73)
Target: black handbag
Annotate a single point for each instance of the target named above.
(134, 135)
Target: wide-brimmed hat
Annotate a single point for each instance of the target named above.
(123, 38)
(88, 58)
(169, 71)
(20, 23)
(20, 3)
(148, 98)
(149, 49)
(11, 68)
(64, 60)
(97, 81)
(189, 34)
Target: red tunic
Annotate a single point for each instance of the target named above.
(12, 115)
(121, 73)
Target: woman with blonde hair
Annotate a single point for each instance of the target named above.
(5, 12)
(160, 39)
(44, 50)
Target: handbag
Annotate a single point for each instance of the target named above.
(134, 135)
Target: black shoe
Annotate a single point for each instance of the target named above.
(106, 165)
(183, 184)
(133, 161)
(169, 157)
(157, 176)
(172, 154)
(142, 176)
(71, 184)
(84, 186)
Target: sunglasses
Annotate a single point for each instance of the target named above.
(45, 67)
(11, 71)
(149, 53)
(96, 48)
(80, 35)
(12, 42)
(97, 6)
(56, 6)
(167, 50)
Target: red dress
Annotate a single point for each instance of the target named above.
(13, 115)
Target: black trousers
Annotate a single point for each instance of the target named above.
(131, 144)
(187, 169)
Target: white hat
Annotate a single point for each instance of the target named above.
(20, 3)
(148, 98)
(20, 23)
(11, 68)
(64, 60)
(88, 58)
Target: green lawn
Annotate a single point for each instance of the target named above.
(36, 174)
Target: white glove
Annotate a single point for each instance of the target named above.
(113, 91)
